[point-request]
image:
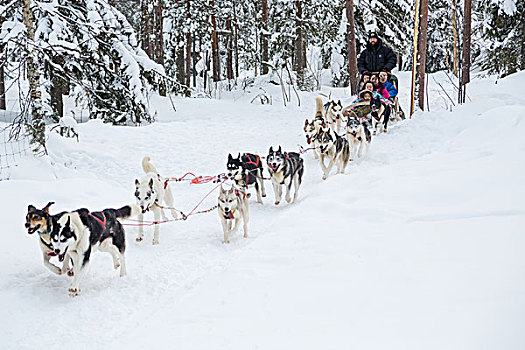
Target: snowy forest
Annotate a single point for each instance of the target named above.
(108, 56)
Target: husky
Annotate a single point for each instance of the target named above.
(247, 171)
(285, 169)
(312, 128)
(81, 232)
(41, 222)
(357, 134)
(152, 192)
(335, 148)
(233, 207)
(380, 115)
(334, 114)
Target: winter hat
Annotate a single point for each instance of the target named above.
(364, 92)
(372, 34)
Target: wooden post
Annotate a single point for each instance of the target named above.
(422, 51)
(352, 54)
(465, 62)
(414, 58)
(455, 36)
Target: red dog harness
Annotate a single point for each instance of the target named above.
(103, 223)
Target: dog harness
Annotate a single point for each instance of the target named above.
(103, 223)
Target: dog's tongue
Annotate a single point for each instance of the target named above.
(308, 140)
(51, 254)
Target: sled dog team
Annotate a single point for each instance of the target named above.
(74, 236)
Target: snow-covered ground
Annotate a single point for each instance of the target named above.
(419, 246)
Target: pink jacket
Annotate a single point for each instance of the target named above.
(383, 91)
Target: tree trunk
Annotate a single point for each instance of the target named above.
(236, 39)
(159, 37)
(352, 54)
(57, 88)
(215, 45)
(299, 59)
(455, 35)
(422, 52)
(264, 36)
(147, 29)
(188, 45)
(522, 53)
(465, 59)
(36, 126)
(180, 62)
(2, 84)
(229, 49)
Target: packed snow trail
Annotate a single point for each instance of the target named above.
(419, 245)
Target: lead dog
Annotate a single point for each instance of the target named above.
(233, 207)
(247, 171)
(81, 232)
(357, 134)
(334, 148)
(41, 222)
(285, 169)
(152, 193)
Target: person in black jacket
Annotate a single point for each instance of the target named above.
(376, 57)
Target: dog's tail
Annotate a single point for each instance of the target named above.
(318, 107)
(127, 211)
(147, 166)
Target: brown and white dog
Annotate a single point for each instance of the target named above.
(312, 128)
(233, 207)
(334, 148)
(41, 222)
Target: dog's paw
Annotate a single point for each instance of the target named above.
(155, 241)
(70, 273)
(264, 194)
(245, 235)
(226, 242)
(116, 266)
(73, 292)
(277, 202)
(288, 200)
(138, 239)
(324, 177)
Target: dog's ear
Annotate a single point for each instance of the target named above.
(271, 149)
(46, 208)
(150, 183)
(340, 103)
(239, 156)
(30, 207)
(137, 183)
(279, 150)
(230, 157)
(306, 122)
(68, 222)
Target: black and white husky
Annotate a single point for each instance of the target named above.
(247, 171)
(78, 234)
(152, 192)
(357, 134)
(334, 114)
(233, 207)
(285, 169)
(380, 115)
(334, 148)
(43, 223)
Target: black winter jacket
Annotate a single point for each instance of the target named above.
(377, 58)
